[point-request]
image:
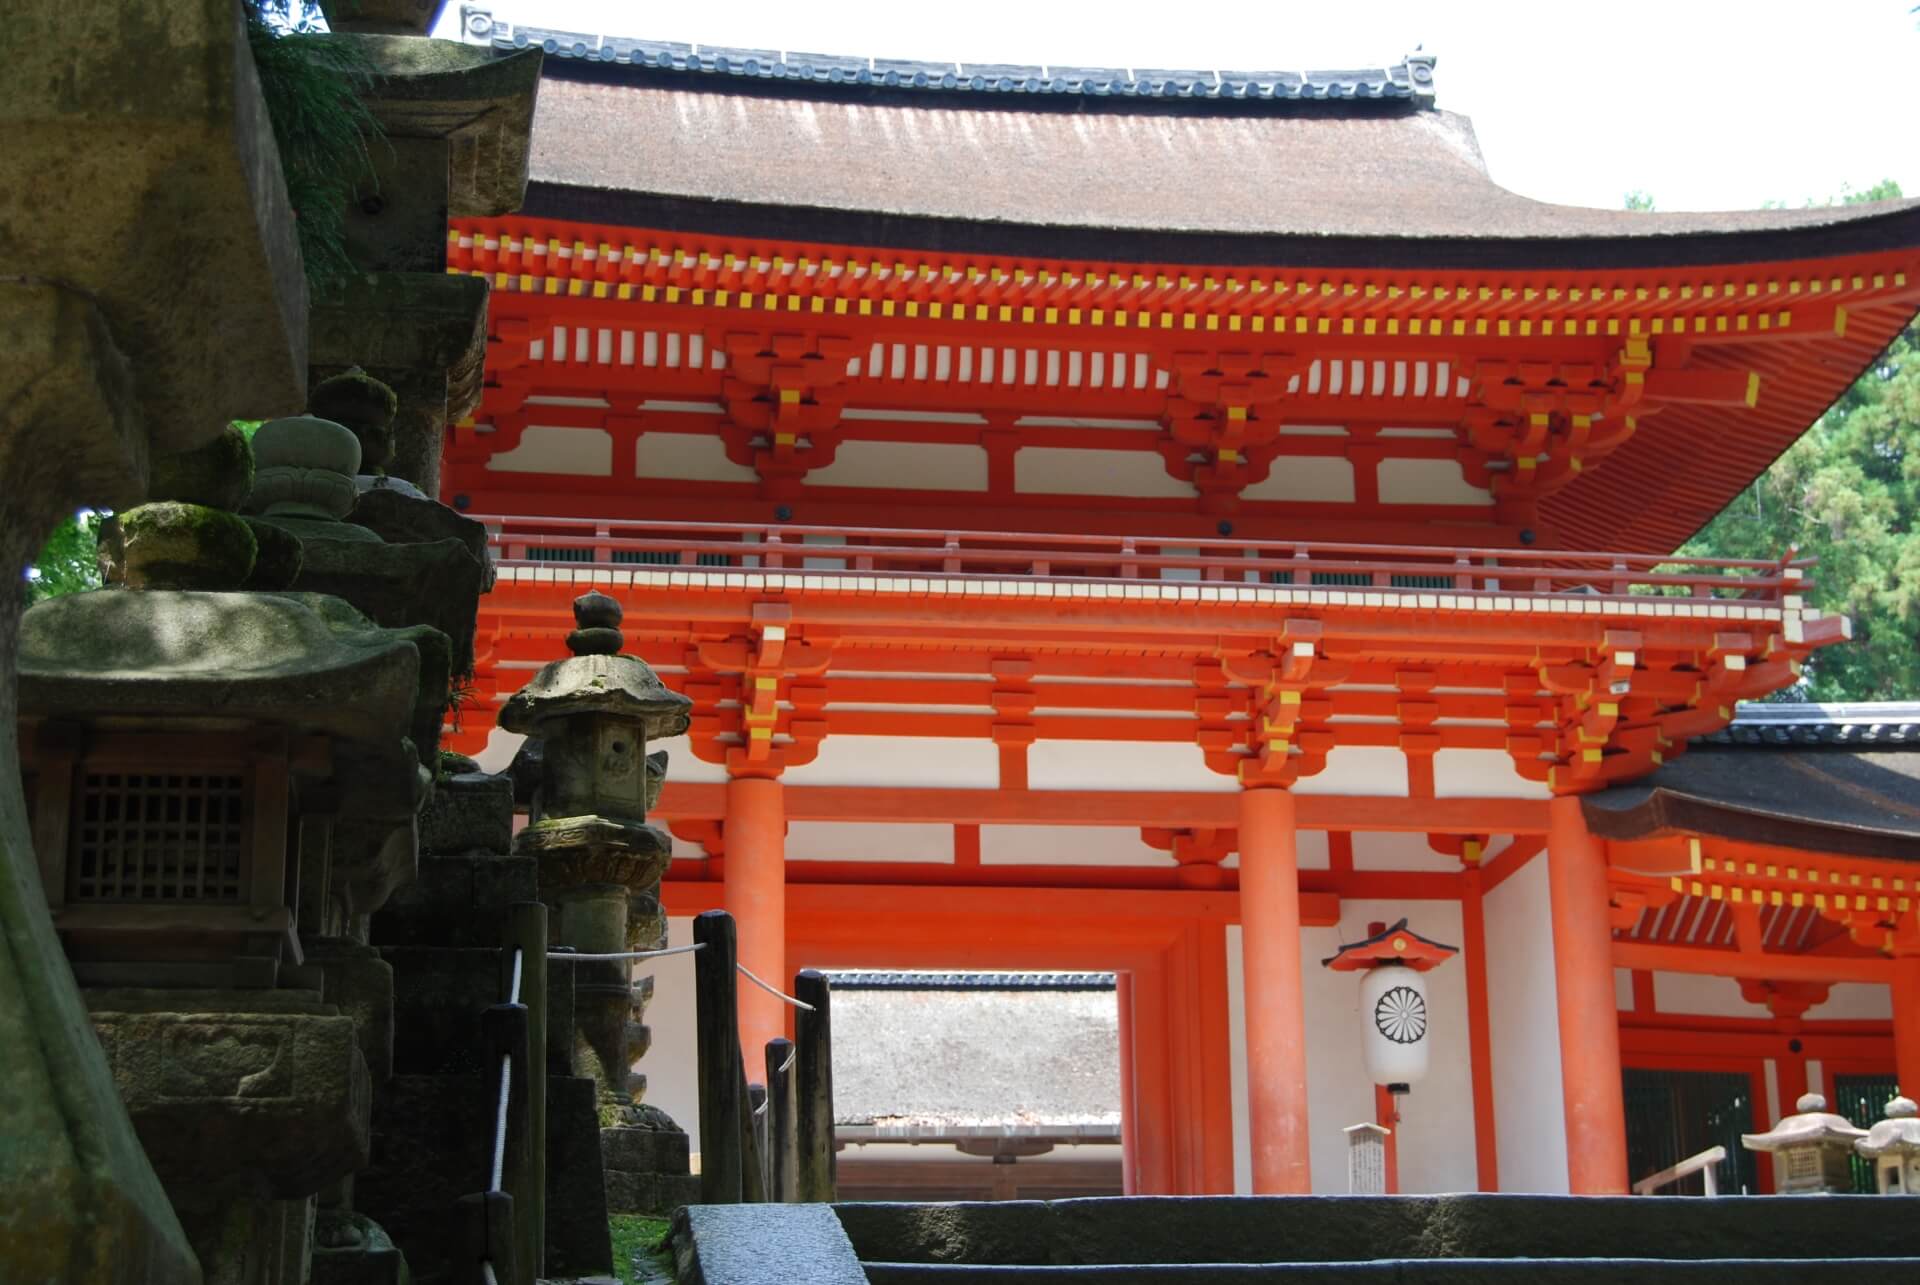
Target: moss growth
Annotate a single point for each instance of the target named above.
(170, 545)
(218, 475)
(640, 1253)
(277, 557)
(364, 405)
(454, 763)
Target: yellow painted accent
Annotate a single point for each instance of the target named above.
(1840, 321)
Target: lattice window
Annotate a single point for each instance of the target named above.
(540, 553)
(159, 837)
(668, 558)
(1411, 581)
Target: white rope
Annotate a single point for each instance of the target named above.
(788, 1064)
(762, 1108)
(519, 960)
(771, 990)
(500, 1121)
(486, 1270)
(627, 954)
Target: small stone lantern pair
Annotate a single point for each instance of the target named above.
(1813, 1149)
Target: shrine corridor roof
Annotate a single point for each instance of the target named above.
(1843, 779)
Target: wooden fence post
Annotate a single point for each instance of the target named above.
(783, 1171)
(813, 1088)
(527, 928)
(503, 1030)
(757, 1113)
(717, 1038)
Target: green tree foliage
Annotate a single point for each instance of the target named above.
(66, 564)
(1848, 494)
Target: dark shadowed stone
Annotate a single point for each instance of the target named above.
(1457, 1271)
(472, 812)
(365, 407)
(360, 984)
(656, 1195)
(455, 901)
(762, 1244)
(578, 1241)
(218, 475)
(368, 1255)
(644, 1150)
(431, 1145)
(440, 993)
(399, 518)
(437, 584)
(276, 560)
(1337, 1229)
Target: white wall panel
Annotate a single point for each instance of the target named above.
(1529, 1110)
(576, 452)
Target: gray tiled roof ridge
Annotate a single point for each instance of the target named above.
(1856, 725)
(1410, 81)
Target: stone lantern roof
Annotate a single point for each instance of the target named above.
(597, 679)
(1898, 1134)
(1811, 1125)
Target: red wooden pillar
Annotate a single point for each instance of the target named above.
(1276, 1007)
(1473, 918)
(755, 894)
(1589, 1019)
(1129, 1109)
(1906, 1023)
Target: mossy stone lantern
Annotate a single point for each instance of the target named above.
(1813, 1149)
(593, 714)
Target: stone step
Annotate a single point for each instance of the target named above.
(1420, 1271)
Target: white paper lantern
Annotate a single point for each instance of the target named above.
(1395, 1023)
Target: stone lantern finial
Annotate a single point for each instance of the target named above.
(596, 625)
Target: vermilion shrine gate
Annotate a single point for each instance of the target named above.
(1147, 522)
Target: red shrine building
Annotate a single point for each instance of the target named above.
(1173, 523)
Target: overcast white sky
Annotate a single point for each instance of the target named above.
(1706, 104)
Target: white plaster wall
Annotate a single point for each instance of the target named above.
(672, 1064)
(1529, 1112)
(1067, 845)
(1482, 774)
(1436, 1134)
(502, 745)
(949, 762)
(1623, 989)
(1395, 850)
(1427, 482)
(1703, 995)
(1856, 1001)
(938, 466)
(692, 457)
(1310, 848)
(1060, 470)
(581, 452)
(1120, 765)
(1305, 477)
(1359, 769)
(879, 841)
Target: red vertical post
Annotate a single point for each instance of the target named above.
(1387, 1116)
(1589, 1021)
(1129, 1109)
(1486, 1141)
(1275, 999)
(755, 894)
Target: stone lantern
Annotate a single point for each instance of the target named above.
(1893, 1145)
(1813, 1147)
(1392, 962)
(593, 715)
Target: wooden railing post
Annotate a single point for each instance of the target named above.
(783, 1172)
(526, 928)
(757, 1150)
(503, 1031)
(813, 1088)
(717, 1039)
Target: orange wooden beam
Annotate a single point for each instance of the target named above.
(1168, 809)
